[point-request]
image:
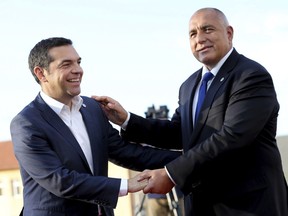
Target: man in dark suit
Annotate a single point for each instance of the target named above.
(231, 165)
(63, 142)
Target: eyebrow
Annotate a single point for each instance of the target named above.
(207, 26)
(68, 61)
(203, 27)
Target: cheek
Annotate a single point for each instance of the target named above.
(192, 46)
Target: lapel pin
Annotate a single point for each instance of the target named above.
(221, 79)
(84, 105)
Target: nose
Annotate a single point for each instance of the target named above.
(77, 68)
(200, 37)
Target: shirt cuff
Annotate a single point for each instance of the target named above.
(123, 187)
(124, 125)
(169, 175)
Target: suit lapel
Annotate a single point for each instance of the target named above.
(188, 93)
(93, 130)
(55, 121)
(218, 81)
(88, 121)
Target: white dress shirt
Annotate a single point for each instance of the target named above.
(73, 119)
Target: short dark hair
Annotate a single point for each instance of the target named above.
(39, 55)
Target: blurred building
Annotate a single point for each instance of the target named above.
(283, 147)
(11, 201)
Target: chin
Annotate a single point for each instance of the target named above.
(75, 93)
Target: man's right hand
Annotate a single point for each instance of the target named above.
(134, 185)
(113, 109)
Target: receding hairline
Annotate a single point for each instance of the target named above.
(221, 16)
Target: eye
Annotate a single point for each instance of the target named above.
(192, 34)
(65, 65)
(208, 29)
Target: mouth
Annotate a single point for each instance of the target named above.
(74, 80)
(204, 49)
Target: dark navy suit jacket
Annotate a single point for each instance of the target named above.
(56, 176)
(231, 164)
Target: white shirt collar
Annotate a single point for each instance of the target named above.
(57, 106)
(217, 67)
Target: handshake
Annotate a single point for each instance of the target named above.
(151, 181)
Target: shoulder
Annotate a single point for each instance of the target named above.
(244, 63)
(192, 80)
(91, 105)
(30, 109)
(88, 101)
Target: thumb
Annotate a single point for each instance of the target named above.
(148, 188)
(144, 175)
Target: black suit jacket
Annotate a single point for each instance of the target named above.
(231, 152)
(56, 176)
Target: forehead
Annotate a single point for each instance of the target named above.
(63, 52)
(204, 18)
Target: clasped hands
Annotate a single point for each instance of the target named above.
(151, 181)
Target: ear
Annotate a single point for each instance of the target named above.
(230, 32)
(39, 72)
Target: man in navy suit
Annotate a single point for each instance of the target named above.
(231, 165)
(63, 142)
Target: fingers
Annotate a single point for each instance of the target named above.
(149, 188)
(134, 185)
(142, 184)
(107, 103)
(159, 182)
(99, 98)
(113, 109)
(149, 175)
(146, 178)
(146, 174)
(104, 100)
(151, 181)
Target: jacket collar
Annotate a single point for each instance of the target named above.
(55, 121)
(218, 81)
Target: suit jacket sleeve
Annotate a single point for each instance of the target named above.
(157, 132)
(123, 153)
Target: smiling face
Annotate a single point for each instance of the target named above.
(62, 79)
(210, 36)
